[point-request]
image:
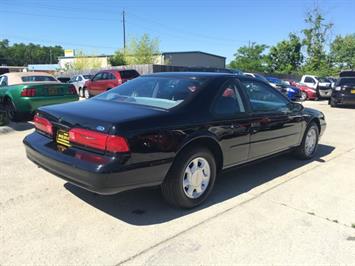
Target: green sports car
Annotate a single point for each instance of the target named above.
(22, 93)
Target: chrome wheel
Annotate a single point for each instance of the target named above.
(303, 96)
(196, 177)
(86, 94)
(311, 141)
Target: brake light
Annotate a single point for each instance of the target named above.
(72, 90)
(43, 124)
(98, 140)
(28, 92)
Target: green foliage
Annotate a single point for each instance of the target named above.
(342, 52)
(20, 54)
(118, 59)
(286, 56)
(250, 58)
(84, 61)
(142, 51)
(315, 37)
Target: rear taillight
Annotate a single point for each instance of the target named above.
(96, 140)
(28, 92)
(72, 90)
(43, 125)
(119, 81)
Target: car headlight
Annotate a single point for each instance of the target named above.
(290, 90)
(338, 88)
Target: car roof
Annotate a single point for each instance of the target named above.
(193, 74)
(15, 77)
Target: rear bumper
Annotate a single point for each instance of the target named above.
(30, 105)
(311, 95)
(109, 176)
(344, 99)
(325, 93)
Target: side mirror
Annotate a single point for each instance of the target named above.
(296, 107)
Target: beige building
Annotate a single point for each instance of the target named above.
(99, 61)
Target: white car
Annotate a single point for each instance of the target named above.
(321, 85)
(79, 82)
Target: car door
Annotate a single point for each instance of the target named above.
(310, 82)
(95, 83)
(231, 124)
(274, 126)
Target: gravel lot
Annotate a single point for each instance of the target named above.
(280, 211)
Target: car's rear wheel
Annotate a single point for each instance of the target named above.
(87, 93)
(303, 96)
(191, 178)
(309, 144)
(11, 111)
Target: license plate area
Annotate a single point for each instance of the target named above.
(352, 91)
(52, 91)
(63, 137)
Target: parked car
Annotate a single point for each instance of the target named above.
(343, 92)
(307, 93)
(176, 130)
(22, 93)
(257, 76)
(79, 82)
(293, 93)
(63, 79)
(106, 80)
(321, 85)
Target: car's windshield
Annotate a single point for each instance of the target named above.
(161, 92)
(37, 78)
(323, 80)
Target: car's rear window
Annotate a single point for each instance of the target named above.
(129, 74)
(37, 78)
(161, 92)
(346, 81)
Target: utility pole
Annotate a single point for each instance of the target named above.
(124, 29)
(50, 55)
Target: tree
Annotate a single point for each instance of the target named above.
(342, 51)
(118, 59)
(250, 58)
(315, 37)
(20, 54)
(286, 56)
(142, 51)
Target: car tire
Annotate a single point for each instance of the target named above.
(309, 144)
(190, 179)
(332, 103)
(81, 92)
(304, 96)
(87, 94)
(12, 113)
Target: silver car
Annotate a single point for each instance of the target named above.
(79, 82)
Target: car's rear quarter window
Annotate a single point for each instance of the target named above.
(129, 74)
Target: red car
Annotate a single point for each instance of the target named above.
(106, 80)
(307, 93)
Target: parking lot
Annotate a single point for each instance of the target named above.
(280, 211)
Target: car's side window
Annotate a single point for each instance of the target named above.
(98, 76)
(264, 98)
(309, 80)
(79, 78)
(3, 81)
(229, 101)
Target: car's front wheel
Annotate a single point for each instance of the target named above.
(303, 96)
(81, 92)
(191, 178)
(309, 144)
(87, 93)
(332, 102)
